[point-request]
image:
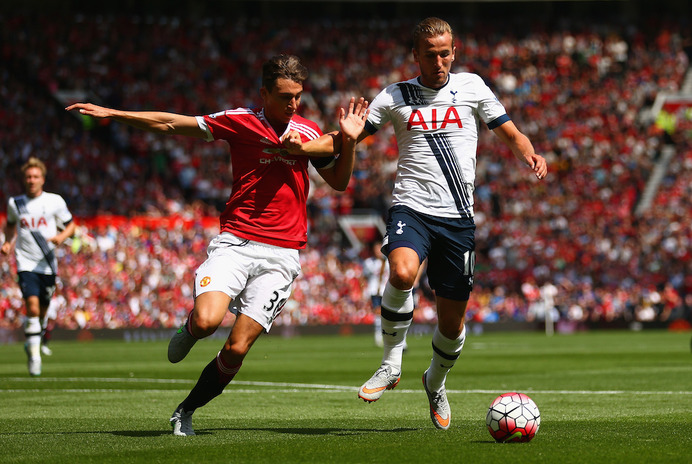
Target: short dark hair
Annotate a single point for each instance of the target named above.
(431, 27)
(283, 67)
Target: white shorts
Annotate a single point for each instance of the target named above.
(258, 277)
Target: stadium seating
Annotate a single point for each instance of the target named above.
(576, 90)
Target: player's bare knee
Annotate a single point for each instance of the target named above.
(402, 277)
(236, 351)
(202, 324)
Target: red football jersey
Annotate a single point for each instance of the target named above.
(270, 187)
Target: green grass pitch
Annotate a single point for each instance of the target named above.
(604, 397)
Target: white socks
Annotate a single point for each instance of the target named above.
(445, 354)
(378, 330)
(397, 313)
(32, 331)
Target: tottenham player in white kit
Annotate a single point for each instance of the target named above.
(436, 118)
(37, 222)
(252, 263)
(375, 270)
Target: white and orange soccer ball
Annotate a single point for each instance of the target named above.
(513, 417)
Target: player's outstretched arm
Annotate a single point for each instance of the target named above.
(522, 148)
(329, 144)
(152, 121)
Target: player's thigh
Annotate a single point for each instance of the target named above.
(37, 290)
(407, 243)
(39, 285)
(210, 309)
(48, 286)
(226, 268)
(267, 291)
(452, 259)
(219, 280)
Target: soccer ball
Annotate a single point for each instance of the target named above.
(513, 417)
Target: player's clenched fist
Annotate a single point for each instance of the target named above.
(292, 141)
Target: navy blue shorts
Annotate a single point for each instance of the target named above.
(448, 243)
(40, 285)
(376, 301)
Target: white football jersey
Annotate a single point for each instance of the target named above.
(375, 277)
(37, 221)
(437, 134)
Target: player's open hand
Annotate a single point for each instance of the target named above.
(539, 165)
(6, 248)
(353, 121)
(90, 109)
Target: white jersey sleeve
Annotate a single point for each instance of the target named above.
(437, 135)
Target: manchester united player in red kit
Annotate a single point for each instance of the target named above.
(253, 262)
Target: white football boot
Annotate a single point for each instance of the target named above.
(383, 379)
(181, 422)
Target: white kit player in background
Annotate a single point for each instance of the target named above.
(37, 222)
(375, 271)
(436, 118)
(57, 303)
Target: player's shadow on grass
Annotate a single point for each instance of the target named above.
(314, 430)
(150, 433)
(141, 433)
(284, 430)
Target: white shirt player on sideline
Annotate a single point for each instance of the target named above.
(375, 271)
(37, 222)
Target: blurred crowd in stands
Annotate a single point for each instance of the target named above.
(571, 245)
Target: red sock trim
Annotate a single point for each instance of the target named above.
(226, 372)
(188, 326)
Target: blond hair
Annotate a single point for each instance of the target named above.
(34, 162)
(431, 27)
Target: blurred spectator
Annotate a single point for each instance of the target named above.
(575, 88)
